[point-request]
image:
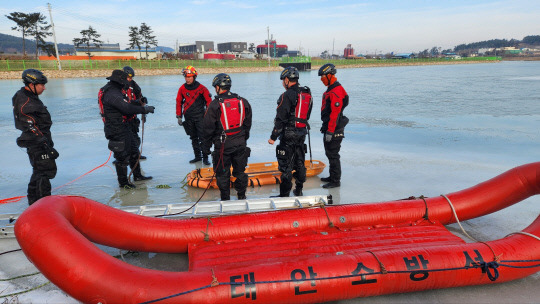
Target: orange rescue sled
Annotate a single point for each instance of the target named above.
(259, 174)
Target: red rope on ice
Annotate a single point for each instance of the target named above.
(18, 198)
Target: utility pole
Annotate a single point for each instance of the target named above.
(54, 36)
(333, 43)
(268, 44)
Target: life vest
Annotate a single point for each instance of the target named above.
(130, 94)
(233, 113)
(100, 103)
(303, 109)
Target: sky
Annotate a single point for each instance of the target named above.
(314, 26)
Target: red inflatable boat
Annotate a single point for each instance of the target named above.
(304, 255)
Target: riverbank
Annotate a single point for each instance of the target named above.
(229, 70)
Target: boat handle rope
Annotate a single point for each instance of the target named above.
(483, 266)
(206, 235)
(525, 233)
(331, 224)
(381, 265)
(457, 219)
(496, 257)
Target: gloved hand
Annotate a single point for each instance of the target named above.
(179, 120)
(144, 100)
(53, 153)
(328, 136)
(149, 109)
(50, 152)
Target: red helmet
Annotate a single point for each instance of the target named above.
(189, 71)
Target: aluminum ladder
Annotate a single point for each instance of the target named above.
(201, 209)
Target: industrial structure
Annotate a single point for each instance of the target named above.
(198, 47)
(232, 47)
(276, 50)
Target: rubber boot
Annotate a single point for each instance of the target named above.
(137, 175)
(205, 160)
(241, 195)
(198, 156)
(331, 185)
(298, 191)
(121, 172)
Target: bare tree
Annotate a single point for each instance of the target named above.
(147, 38)
(89, 36)
(39, 29)
(23, 24)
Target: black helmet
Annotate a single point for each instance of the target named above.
(129, 70)
(119, 76)
(327, 69)
(291, 73)
(222, 80)
(33, 76)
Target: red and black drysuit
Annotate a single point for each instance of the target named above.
(34, 120)
(122, 141)
(191, 103)
(228, 149)
(291, 151)
(334, 101)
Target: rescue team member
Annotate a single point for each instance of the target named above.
(114, 107)
(291, 126)
(34, 120)
(192, 101)
(227, 123)
(134, 94)
(334, 101)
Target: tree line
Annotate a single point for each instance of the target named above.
(35, 25)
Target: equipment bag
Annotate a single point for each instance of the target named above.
(303, 109)
(100, 103)
(232, 115)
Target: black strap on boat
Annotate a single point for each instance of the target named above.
(251, 183)
(493, 276)
(381, 265)
(426, 214)
(258, 181)
(277, 180)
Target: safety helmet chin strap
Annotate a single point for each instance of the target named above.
(31, 90)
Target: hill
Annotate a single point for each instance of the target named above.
(13, 45)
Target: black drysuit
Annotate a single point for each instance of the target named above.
(122, 141)
(228, 150)
(34, 120)
(291, 151)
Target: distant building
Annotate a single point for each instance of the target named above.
(403, 56)
(348, 52)
(276, 50)
(230, 47)
(111, 51)
(102, 47)
(198, 47)
(292, 54)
